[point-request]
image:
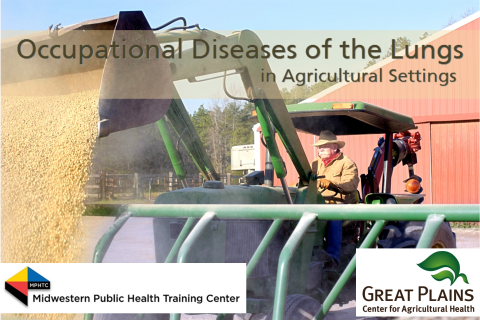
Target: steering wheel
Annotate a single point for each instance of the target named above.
(333, 187)
(337, 190)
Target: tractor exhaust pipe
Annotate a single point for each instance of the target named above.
(268, 181)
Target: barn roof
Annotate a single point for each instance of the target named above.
(468, 24)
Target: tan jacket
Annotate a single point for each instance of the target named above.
(343, 172)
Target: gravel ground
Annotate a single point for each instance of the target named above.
(128, 247)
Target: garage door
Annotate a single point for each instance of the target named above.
(455, 164)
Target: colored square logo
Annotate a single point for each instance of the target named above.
(27, 279)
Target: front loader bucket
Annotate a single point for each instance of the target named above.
(136, 89)
(135, 82)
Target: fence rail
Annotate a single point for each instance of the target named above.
(134, 186)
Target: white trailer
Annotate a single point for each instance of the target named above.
(243, 158)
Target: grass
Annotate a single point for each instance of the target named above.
(109, 208)
(120, 201)
(473, 225)
(100, 211)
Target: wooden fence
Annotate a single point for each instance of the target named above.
(136, 186)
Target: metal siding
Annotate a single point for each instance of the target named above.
(425, 99)
(455, 167)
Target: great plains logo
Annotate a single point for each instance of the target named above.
(406, 288)
(443, 259)
(27, 279)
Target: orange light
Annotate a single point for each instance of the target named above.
(413, 186)
(342, 106)
(254, 113)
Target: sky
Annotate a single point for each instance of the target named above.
(404, 15)
(247, 14)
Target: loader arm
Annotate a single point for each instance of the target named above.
(180, 120)
(186, 67)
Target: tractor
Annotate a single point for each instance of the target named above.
(276, 231)
(234, 240)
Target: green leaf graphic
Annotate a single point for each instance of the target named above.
(444, 275)
(464, 277)
(443, 259)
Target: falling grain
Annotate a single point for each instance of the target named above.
(47, 145)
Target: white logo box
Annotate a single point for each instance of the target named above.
(131, 288)
(391, 274)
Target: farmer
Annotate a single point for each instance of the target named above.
(334, 169)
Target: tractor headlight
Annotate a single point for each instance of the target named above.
(390, 201)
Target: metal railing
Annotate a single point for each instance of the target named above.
(433, 215)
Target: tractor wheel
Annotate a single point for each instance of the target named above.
(406, 234)
(131, 316)
(298, 307)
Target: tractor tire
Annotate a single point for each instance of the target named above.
(298, 307)
(130, 316)
(406, 234)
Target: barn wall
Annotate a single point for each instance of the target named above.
(455, 167)
(429, 103)
(425, 99)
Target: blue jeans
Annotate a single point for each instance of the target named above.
(334, 239)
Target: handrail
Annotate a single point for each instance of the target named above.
(284, 263)
(188, 244)
(347, 273)
(432, 224)
(357, 212)
(181, 237)
(105, 241)
(193, 236)
(259, 252)
(433, 215)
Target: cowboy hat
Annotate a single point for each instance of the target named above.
(326, 137)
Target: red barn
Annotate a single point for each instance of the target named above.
(447, 117)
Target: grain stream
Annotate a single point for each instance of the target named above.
(46, 149)
(46, 155)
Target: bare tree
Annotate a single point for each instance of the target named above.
(465, 14)
(468, 12)
(450, 21)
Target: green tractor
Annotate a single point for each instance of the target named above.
(235, 240)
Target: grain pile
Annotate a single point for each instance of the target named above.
(47, 145)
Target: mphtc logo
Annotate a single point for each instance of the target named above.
(27, 279)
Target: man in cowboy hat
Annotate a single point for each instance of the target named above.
(335, 170)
